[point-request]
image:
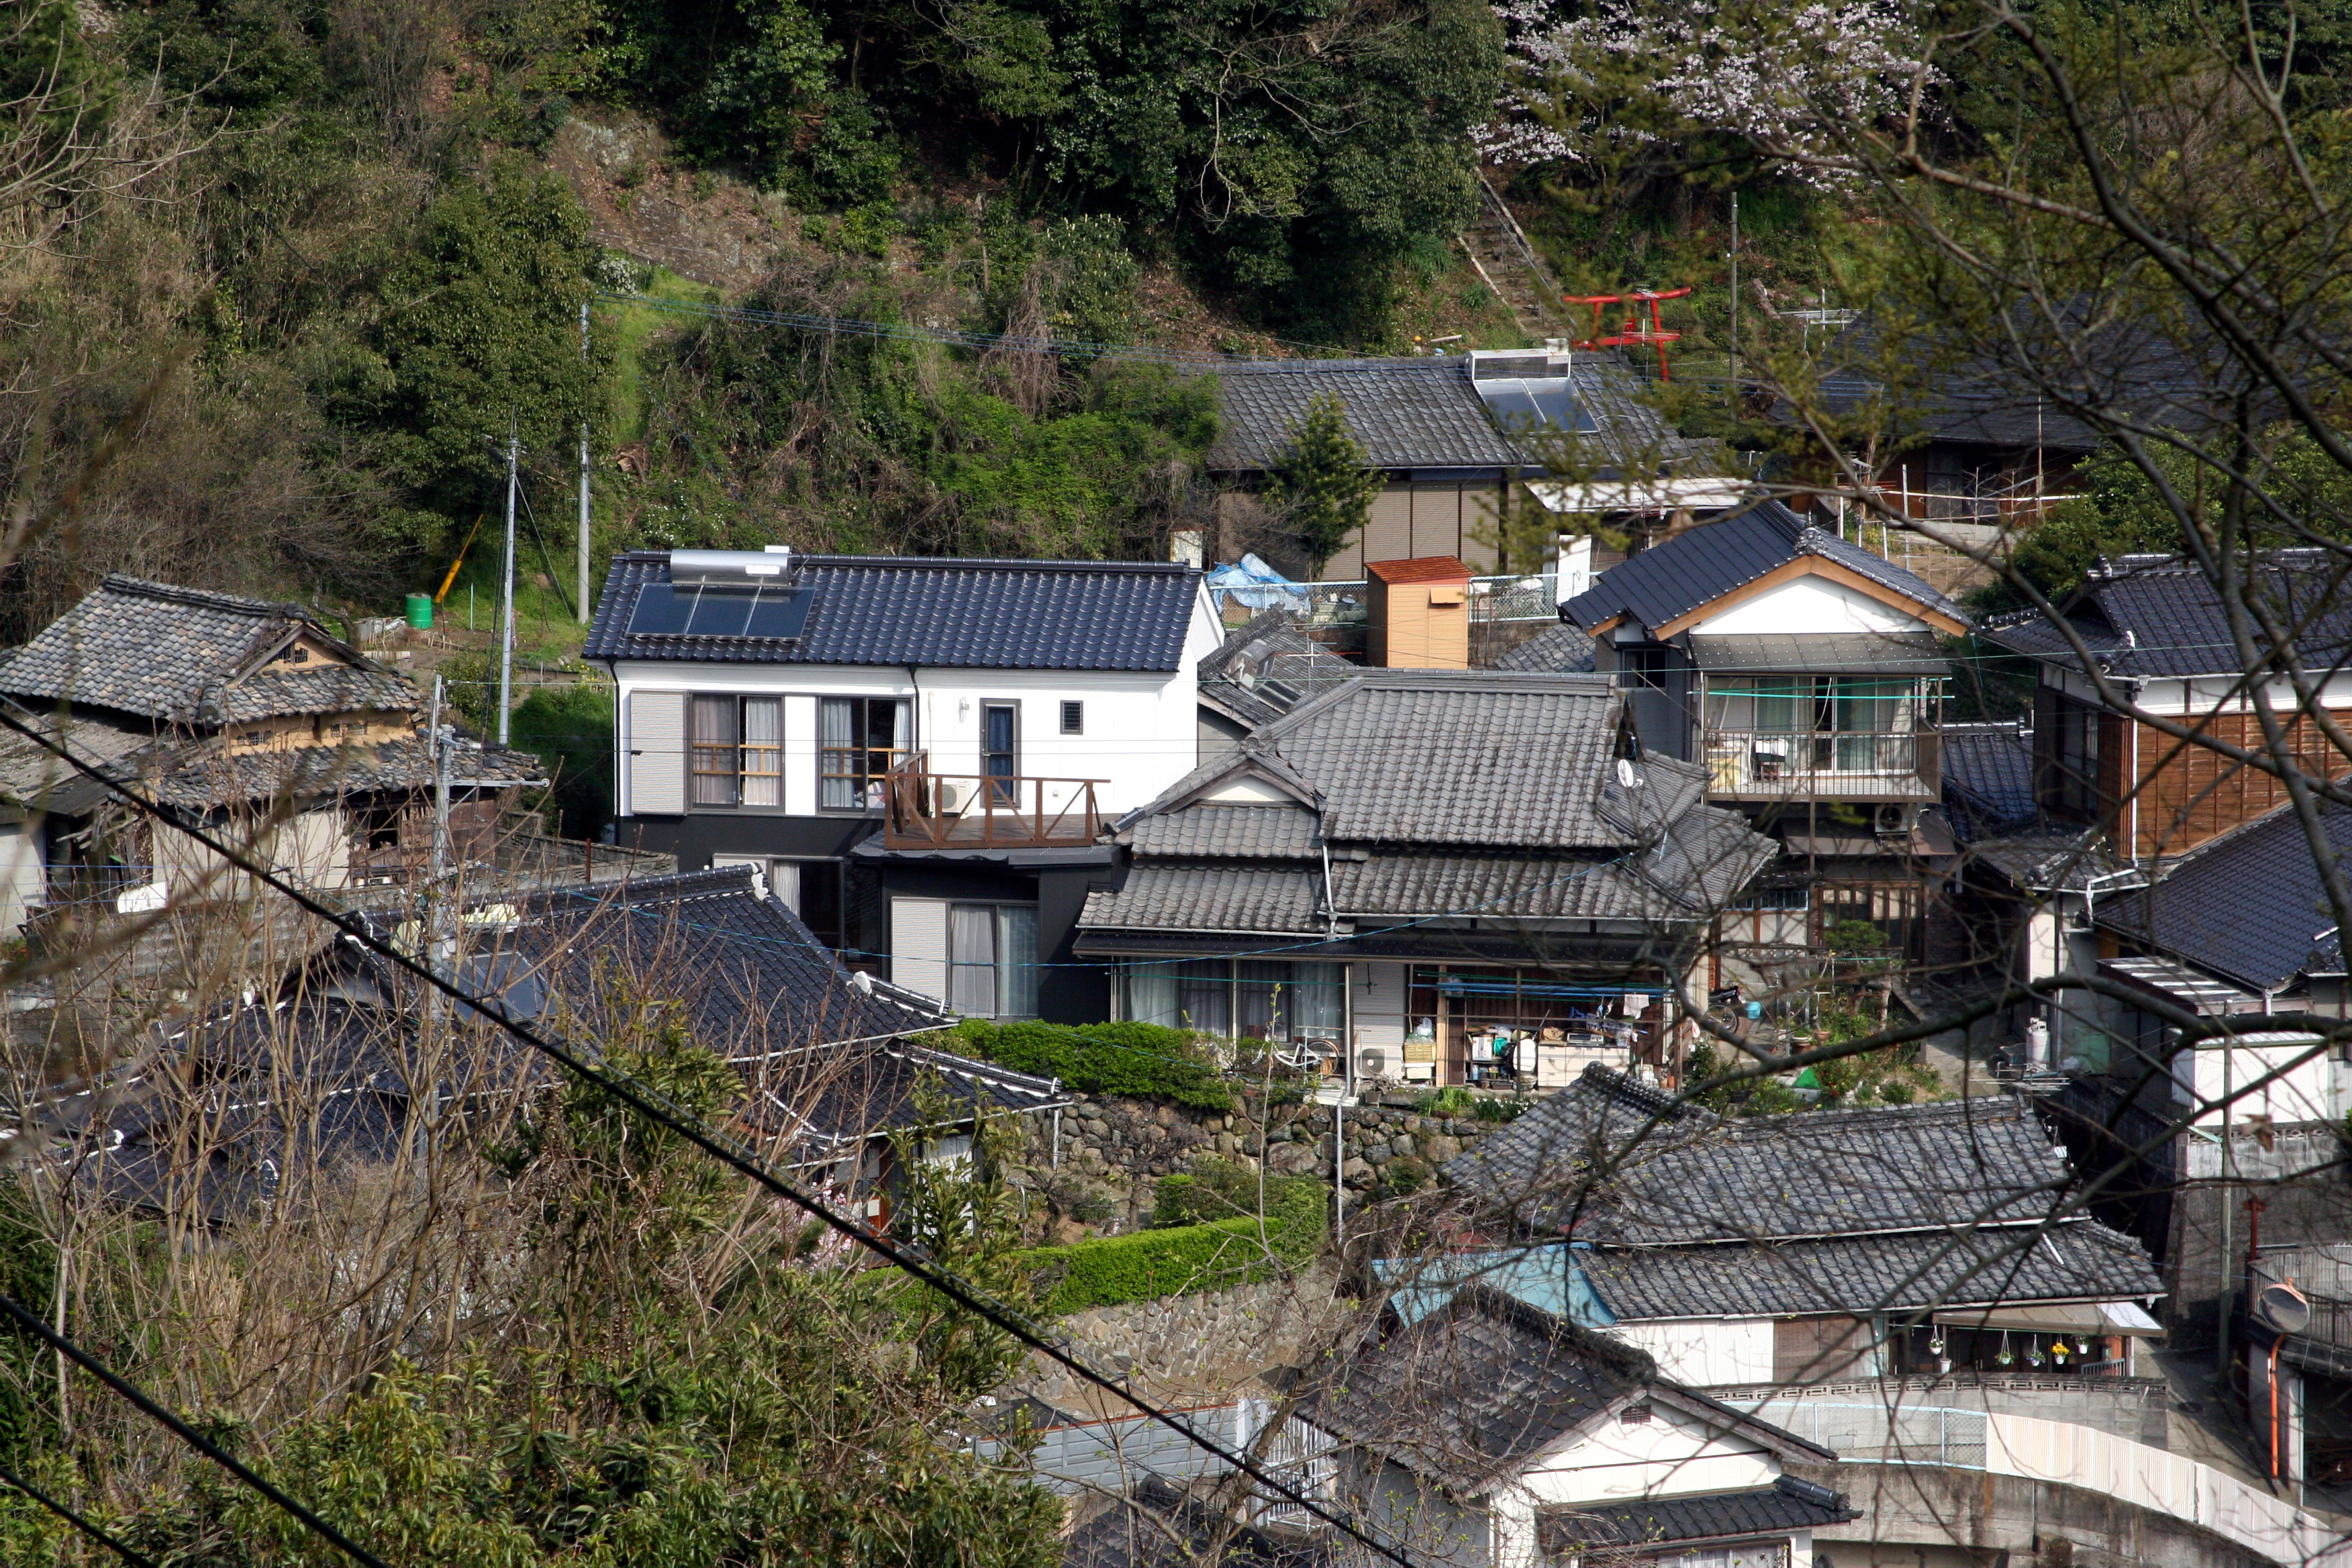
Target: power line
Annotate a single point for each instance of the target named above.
(70, 1517)
(180, 1428)
(652, 1105)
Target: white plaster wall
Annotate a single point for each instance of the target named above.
(22, 882)
(1807, 604)
(1669, 1453)
(1139, 736)
(2214, 694)
(1706, 1352)
(2308, 1088)
(1377, 994)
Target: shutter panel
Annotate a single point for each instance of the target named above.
(656, 754)
(919, 945)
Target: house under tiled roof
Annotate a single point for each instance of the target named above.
(1599, 1531)
(1564, 649)
(185, 656)
(1428, 414)
(2247, 906)
(1468, 1395)
(1988, 779)
(1267, 668)
(1423, 798)
(1699, 566)
(940, 613)
(2161, 615)
(1940, 1167)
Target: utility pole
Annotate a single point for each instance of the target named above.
(437, 868)
(581, 603)
(505, 593)
(1735, 302)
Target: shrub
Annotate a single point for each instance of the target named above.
(1227, 1189)
(1451, 1100)
(1149, 1264)
(1143, 1060)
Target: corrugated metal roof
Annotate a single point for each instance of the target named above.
(1595, 1531)
(942, 613)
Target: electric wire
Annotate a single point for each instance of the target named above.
(75, 1519)
(34, 1323)
(649, 1103)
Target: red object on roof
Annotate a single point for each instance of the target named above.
(1420, 569)
(1635, 330)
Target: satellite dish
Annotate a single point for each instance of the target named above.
(2283, 1308)
(1626, 776)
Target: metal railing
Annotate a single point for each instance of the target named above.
(1755, 762)
(1518, 597)
(954, 811)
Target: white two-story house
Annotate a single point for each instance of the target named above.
(919, 754)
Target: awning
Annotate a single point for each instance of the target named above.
(2184, 988)
(2072, 1318)
(1914, 654)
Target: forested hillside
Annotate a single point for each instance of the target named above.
(282, 270)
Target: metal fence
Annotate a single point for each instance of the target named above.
(1882, 1433)
(1534, 596)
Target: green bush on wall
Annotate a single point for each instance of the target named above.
(1139, 1059)
(1182, 1259)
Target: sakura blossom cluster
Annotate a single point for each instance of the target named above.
(1783, 78)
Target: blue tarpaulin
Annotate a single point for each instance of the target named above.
(1256, 586)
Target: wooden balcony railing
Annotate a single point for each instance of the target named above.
(1862, 764)
(969, 810)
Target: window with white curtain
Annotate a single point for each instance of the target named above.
(860, 739)
(1248, 998)
(738, 752)
(992, 960)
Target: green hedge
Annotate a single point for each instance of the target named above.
(1139, 1060)
(1170, 1262)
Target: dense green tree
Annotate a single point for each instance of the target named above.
(1322, 482)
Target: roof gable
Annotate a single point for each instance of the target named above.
(2161, 615)
(173, 655)
(948, 613)
(1705, 570)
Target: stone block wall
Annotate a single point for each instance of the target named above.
(1112, 1150)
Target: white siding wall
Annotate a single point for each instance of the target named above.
(1669, 1453)
(1706, 1352)
(1140, 727)
(2309, 1086)
(1809, 605)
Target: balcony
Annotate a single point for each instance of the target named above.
(969, 810)
(1816, 764)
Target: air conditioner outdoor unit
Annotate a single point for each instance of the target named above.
(1373, 1062)
(1895, 819)
(954, 794)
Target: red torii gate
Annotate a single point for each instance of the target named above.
(1635, 330)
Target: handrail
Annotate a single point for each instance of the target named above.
(925, 813)
(1773, 760)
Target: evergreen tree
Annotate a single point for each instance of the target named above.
(1322, 483)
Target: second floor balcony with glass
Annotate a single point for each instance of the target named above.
(1821, 737)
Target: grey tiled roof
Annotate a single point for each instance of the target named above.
(1562, 650)
(1701, 565)
(1406, 413)
(327, 689)
(1422, 413)
(2044, 859)
(1935, 1167)
(942, 613)
(2159, 615)
(151, 649)
(1158, 896)
(1456, 757)
(2247, 906)
(1468, 1393)
(33, 778)
(308, 772)
(2072, 1260)
(1267, 668)
(1789, 1504)
(1988, 779)
(1709, 857)
(1231, 832)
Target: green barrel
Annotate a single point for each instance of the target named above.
(420, 611)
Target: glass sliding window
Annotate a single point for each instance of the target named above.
(1255, 999)
(992, 960)
(1868, 714)
(716, 756)
(1150, 994)
(860, 739)
(998, 756)
(972, 959)
(764, 750)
